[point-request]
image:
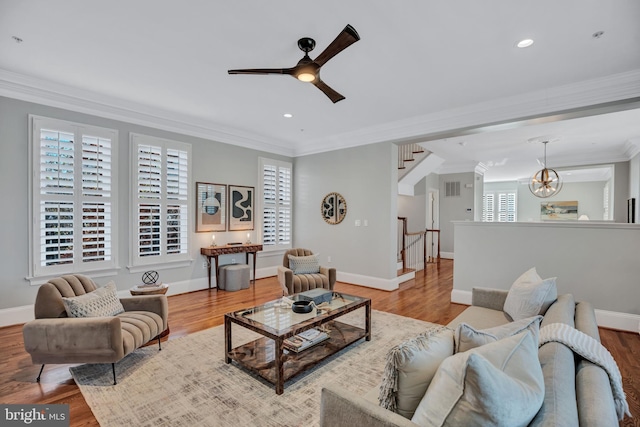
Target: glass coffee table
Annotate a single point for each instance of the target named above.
(268, 357)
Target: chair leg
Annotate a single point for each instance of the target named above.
(113, 368)
(159, 344)
(40, 373)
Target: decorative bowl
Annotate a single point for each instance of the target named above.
(302, 307)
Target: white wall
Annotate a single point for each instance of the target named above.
(455, 208)
(212, 162)
(589, 195)
(634, 183)
(596, 262)
(367, 177)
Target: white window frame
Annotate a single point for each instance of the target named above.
(163, 260)
(279, 207)
(39, 273)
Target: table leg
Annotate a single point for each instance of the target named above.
(216, 266)
(279, 366)
(209, 270)
(227, 339)
(367, 319)
(254, 264)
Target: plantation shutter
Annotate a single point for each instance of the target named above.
(161, 193)
(73, 197)
(488, 207)
(507, 207)
(276, 203)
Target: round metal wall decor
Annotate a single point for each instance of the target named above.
(333, 208)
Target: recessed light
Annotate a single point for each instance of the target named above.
(524, 43)
(288, 115)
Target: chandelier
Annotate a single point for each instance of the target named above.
(546, 182)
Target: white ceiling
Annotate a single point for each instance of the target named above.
(415, 60)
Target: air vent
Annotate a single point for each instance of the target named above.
(452, 189)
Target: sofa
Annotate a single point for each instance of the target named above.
(576, 392)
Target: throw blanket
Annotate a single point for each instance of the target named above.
(591, 350)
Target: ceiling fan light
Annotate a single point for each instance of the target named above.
(306, 77)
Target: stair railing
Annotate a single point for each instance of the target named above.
(418, 249)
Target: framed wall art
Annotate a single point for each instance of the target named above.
(211, 207)
(559, 211)
(241, 211)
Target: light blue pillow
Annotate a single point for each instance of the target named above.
(309, 264)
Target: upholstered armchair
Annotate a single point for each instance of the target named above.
(294, 275)
(54, 337)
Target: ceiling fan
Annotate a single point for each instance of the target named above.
(307, 69)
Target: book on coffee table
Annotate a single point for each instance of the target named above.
(305, 339)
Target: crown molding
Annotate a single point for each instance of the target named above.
(495, 114)
(632, 148)
(31, 89)
(616, 88)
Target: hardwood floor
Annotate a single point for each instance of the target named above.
(427, 297)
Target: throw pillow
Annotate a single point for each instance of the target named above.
(498, 384)
(466, 337)
(304, 264)
(530, 295)
(102, 302)
(409, 368)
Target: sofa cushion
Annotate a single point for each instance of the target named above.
(138, 328)
(467, 337)
(409, 368)
(304, 264)
(530, 295)
(471, 388)
(102, 302)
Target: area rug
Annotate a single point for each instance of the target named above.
(188, 384)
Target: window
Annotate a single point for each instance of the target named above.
(161, 199)
(499, 206)
(73, 229)
(276, 204)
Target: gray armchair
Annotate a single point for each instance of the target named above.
(295, 283)
(55, 338)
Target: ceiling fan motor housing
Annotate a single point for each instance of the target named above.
(306, 44)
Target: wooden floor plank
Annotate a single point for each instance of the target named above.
(426, 297)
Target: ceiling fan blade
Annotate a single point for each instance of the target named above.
(346, 38)
(262, 71)
(332, 94)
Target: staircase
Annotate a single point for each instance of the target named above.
(414, 163)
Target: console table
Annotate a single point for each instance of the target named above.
(215, 251)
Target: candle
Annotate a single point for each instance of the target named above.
(213, 240)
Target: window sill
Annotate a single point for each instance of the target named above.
(39, 280)
(160, 266)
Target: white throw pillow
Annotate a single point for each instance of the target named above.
(498, 384)
(466, 337)
(530, 295)
(103, 302)
(409, 368)
(309, 264)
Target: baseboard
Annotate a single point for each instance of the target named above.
(261, 273)
(604, 319)
(446, 255)
(368, 281)
(16, 315)
(461, 297)
(616, 320)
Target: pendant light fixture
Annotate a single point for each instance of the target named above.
(546, 182)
